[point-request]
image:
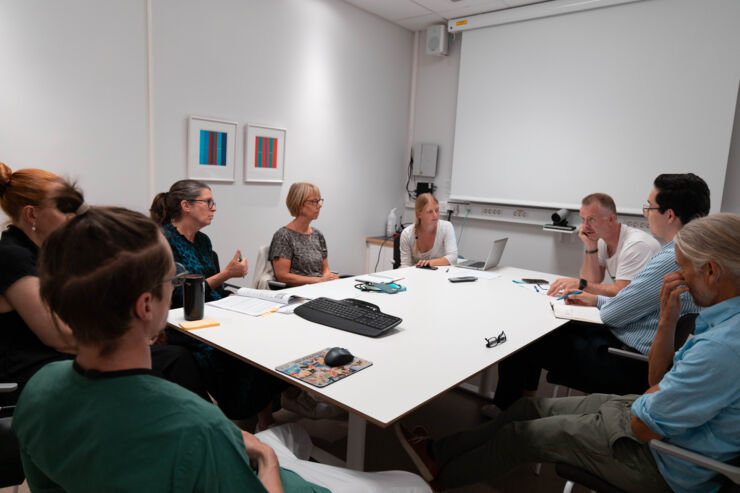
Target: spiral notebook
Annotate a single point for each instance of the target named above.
(311, 369)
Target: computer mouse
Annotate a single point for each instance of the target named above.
(338, 356)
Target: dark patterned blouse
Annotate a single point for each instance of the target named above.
(196, 257)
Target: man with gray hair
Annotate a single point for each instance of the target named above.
(694, 404)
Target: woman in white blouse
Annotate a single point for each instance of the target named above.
(429, 241)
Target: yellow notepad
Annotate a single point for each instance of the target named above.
(199, 324)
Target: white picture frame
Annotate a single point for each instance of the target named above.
(211, 149)
(264, 154)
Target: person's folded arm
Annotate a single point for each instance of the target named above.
(281, 266)
(25, 298)
(642, 431)
(449, 243)
(693, 392)
(406, 244)
(639, 298)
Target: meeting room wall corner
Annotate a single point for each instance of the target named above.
(434, 121)
(74, 99)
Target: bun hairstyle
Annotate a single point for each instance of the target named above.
(108, 254)
(29, 186)
(166, 205)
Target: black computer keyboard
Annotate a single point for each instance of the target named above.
(351, 315)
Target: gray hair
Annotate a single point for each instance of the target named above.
(715, 237)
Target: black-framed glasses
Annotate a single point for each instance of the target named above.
(646, 208)
(496, 340)
(179, 278)
(210, 203)
(315, 202)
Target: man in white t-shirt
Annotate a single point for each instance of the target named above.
(611, 247)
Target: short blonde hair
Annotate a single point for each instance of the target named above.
(715, 238)
(298, 194)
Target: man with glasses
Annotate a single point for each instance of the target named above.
(611, 247)
(577, 353)
(692, 405)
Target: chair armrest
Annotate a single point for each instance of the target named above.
(8, 387)
(627, 354)
(229, 286)
(276, 285)
(732, 472)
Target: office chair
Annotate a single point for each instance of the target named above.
(264, 275)
(684, 328)
(11, 469)
(396, 250)
(730, 470)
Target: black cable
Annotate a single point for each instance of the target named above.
(408, 180)
(380, 250)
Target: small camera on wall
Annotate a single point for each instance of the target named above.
(560, 218)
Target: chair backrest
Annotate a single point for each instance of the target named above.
(684, 328)
(263, 271)
(396, 250)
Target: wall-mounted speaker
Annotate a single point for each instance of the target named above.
(437, 40)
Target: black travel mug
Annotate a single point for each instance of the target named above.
(194, 296)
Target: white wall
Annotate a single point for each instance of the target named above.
(528, 245)
(73, 93)
(73, 100)
(337, 78)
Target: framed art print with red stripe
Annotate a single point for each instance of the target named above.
(264, 154)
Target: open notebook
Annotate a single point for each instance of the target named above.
(574, 312)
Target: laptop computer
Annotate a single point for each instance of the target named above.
(497, 249)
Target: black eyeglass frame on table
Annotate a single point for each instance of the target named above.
(495, 340)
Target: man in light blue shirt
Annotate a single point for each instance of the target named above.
(576, 354)
(695, 404)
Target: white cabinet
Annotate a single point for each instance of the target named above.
(378, 252)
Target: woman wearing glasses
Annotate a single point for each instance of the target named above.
(183, 211)
(429, 241)
(241, 390)
(37, 202)
(298, 251)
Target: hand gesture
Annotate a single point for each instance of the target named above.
(237, 266)
(589, 239)
(423, 263)
(582, 299)
(567, 283)
(674, 285)
(329, 277)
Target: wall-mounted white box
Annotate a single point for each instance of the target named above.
(425, 160)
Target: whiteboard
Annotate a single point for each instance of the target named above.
(550, 110)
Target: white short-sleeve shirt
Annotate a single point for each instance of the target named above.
(634, 249)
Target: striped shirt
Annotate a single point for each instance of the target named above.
(633, 314)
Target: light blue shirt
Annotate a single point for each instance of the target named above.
(632, 315)
(698, 404)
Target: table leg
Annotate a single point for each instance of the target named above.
(484, 388)
(356, 428)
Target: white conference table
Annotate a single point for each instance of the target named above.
(438, 345)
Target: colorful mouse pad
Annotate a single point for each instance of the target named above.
(311, 369)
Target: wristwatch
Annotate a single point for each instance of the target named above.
(592, 251)
(582, 284)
